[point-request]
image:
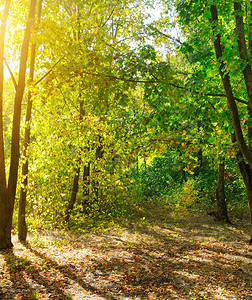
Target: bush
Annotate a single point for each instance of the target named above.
(159, 177)
(206, 183)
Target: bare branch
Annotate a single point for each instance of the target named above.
(11, 74)
(168, 83)
(165, 34)
(110, 15)
(50, 71)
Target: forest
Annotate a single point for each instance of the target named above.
(125, 149)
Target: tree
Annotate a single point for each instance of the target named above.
(22, 227)
(8, 191)
(231, 47)
(4, 233)
(222, 213)
(80, 96)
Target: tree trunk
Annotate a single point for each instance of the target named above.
(12, 182)
(200, 153)
(222, 213)
(77, 174)
(245, 151)
(236, 124)
(86, 182)
(98, 156)
(243, 52)
(8, 194)
(5, 227)
(245, 169)
(74, 192)
(22, 227)
(5, 222)
(247, 179)
(246, 173)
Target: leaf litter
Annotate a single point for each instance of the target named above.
(160, 257)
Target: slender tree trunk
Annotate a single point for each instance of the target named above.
(98, 156)
(5, 234)
(243, 52)
(86, 183)
(75, 187)
(246, 152)
(22, 227)
(246, 173)
(12, 182)
(200, 153)
(245, 169)
(76, 36)
(222, 213)
(74, 192)
(7, 205)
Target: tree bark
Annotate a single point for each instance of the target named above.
(12, 182)
(75, 187)
(243, 52)
(74, 192)
(222, 213)
(86, 182)
(5, 235)
(98, 156)
(22, 227)
(246, 152)
(247, 178)
(7, 205)
(246, 173)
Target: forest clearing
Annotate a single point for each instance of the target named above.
(161, 255)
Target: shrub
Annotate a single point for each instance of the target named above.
(159, 177)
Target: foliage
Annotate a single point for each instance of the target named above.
(159, 177)
(112, 80)
(206, 183)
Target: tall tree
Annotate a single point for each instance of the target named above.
(4, 232)
(244, 147)
(22, 227)
(9, 191)
(228, 54)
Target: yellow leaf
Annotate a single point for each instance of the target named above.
(183, 133)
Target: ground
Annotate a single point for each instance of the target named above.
(159, 256)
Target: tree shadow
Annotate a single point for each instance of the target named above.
(163, 261)
(161, 269)
(139, 277)
(70, 271)
(21, 271)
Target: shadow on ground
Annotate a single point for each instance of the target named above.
(170, 258)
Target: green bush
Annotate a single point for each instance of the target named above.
(159, 177)
(206, 184)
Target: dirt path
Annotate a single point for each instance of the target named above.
(190, 257)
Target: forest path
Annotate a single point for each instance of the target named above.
(160, 256)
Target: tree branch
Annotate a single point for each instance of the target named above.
(50, 71)
(168, 83)
(110, 15)
(165, 34)
(11, 74)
